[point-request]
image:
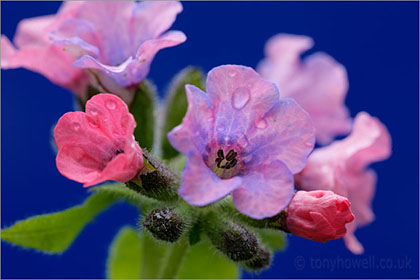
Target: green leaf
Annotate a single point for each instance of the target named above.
(143, 110)
(125, 255)
(54, 233)
(176, 105)
(204, 262)
(274, 239)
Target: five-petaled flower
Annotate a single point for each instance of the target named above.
(98, 145)
(115, 40)
(319, 83)
(318, 215)
(341, 168)
(240, 138)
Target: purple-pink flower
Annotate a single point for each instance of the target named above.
(240, 138)
(98, 145)
(35, 52)
(318, 83)
(117, 40)
(342, 168)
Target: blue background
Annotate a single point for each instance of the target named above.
(376, 41)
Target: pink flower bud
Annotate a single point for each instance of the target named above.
(318, 215)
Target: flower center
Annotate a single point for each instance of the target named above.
(225, 163)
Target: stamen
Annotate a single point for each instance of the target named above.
(231, 155)
(220, 154)
(231, 164)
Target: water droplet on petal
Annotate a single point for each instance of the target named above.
(232, 74)
(76, 126)
(240, 97)
(261, 124)
(111, 105)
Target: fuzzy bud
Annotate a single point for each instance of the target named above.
(318, 215)
(232, 239)
(156, 181)
(165, 224)
(259, 262)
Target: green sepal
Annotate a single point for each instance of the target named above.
(202, 261)
(125, 255)
(54, 233)
(274, 239)
(143, 109)
(176, 105)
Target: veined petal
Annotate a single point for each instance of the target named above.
(265, 191)
(240, 97)
(195, 130)
(285, 133)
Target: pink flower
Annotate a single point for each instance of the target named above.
(318, 215)
(318, 83)
(98, 145)
(35, 52)
(117, 40)
(240, 138)
(342, 168)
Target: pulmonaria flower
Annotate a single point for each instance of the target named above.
(240, 138)
(98, 145)
(318, 83)
(117, 40)
(342, 168)
(35, 52)
(318, 215)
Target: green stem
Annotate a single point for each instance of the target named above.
(175, 259)
(154, 253)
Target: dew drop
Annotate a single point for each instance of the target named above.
(111, 105)
(76, 126)
(232, 74)
(261, 124)
(220, 127)
(240, 98)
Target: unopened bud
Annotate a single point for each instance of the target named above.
(156, 181)
(318, 215)
(165, 224)
(261, 261)
(234, 240)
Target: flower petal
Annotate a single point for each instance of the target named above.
(319, 83)
(151, 18)
(264, 192)
(200, 186)
(285, 133)
(50, 61)
(240, 96)
(369, 142)
(133, 70)
(195, 130)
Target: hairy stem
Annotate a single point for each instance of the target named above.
(175, 259)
